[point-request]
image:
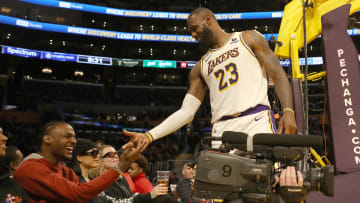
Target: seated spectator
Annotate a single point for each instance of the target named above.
(85, 157)
(46, 180)
(137, 173)
(14, 156)
(124, 186)
(10, 191)
(183, 187)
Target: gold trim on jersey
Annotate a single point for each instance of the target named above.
(245, 45)
(269, 117)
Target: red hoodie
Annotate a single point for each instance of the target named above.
(46, 182)
(142, 184)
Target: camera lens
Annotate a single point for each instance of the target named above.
(321, 180)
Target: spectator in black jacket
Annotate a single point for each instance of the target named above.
(85, 157)
(183, 187)
(10, 191)
(14, 156)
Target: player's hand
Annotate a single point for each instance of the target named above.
(287, 123)
(135, 138)
(130, 154)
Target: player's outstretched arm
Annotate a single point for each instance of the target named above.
(184, 115)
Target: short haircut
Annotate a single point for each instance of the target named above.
(45, 129)
(49, 126)
(142, 161)
(202, 12)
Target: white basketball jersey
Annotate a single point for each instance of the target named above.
(235, 78)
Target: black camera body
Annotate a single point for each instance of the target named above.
(225, 176)
(221, 175)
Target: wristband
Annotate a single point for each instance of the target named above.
(148, 135)
(288, 109)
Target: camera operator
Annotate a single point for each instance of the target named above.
(291, 185)
(183, 187)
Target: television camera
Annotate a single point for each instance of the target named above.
(222, 175)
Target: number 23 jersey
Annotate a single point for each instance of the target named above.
(235, 78)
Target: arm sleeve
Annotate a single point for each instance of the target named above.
(45, 184)
(178, 119)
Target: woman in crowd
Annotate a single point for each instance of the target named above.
(85, 157)
(124, 187)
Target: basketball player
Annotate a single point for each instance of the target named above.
(234, 69)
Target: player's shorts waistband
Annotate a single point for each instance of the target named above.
(250, 111)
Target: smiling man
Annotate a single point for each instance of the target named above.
(46, 179)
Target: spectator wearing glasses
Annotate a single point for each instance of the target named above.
(85, 157)
(124, 186)
(121, 188)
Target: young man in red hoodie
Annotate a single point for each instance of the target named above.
(137, 173)
(46, 179)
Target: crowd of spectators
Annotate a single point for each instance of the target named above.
(184, 141)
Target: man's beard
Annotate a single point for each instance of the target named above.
(206, 40)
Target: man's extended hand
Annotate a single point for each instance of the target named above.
(287, 122)
(135, 138)
(129, 155)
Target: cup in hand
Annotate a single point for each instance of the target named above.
(163, 177)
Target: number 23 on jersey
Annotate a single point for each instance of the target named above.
(220, 76)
